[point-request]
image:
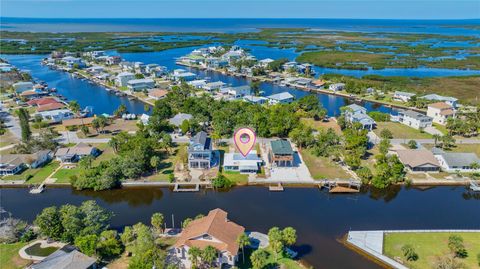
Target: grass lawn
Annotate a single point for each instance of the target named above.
(167, 165)
(107, 153)
(321, 167)
(236, 177)
(35, 176)
(63, 175)
(473, 148)
(401, 131)
(429, 246)
(9, 258)
(322, 125)
(284, 262)
(441, 128)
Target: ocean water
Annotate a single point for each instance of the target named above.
(443, 27)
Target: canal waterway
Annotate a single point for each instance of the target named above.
(85, 93)
(319, 218)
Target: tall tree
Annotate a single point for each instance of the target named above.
(243, 241)
(24, 118)
(157, 221)
(259, 258)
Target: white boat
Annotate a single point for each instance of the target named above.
(474, 186)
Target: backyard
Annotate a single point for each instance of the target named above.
(400, 131)
(9, 258)
(322, 167)
(430, 246)
(35, 176)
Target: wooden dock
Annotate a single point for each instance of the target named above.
(178, 188)
(340, 189)
(277, 187)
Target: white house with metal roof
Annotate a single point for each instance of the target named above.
(281, 98)
(355, 113)
(403, 96)
(454, 162)
(452, 101)
(413, 119)
(245, 165)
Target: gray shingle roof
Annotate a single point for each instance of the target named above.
(65, 258)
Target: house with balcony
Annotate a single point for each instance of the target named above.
(200, 152)
(123, 78)
(280, 98)
(358, 114)
(236, 162)
(141, 84)
(214, 230)
(440, 112)
(413, 119)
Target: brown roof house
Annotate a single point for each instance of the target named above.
(440, 112)
(75, 153)
(419, 160)
(212, 230)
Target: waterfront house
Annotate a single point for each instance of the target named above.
(290, 66)
(265, 62)
(157, 71)
(42, 101)
(35, 93)
(281, 153)
(22, 86)
(139, 67)
(403, 96)
(200, 151)
(72, 62)
(95, 54)
(255, 99)
(183, 75)
(236, 92)
(319, 83)
(123, 78)
(236, 162)
(413, 119)
(418, 160)
(67, 257)
(50, 107)
(113, 60)
(178, 119)
(358, 114)
(57, 115)
(150, 67)
(440, 112)
(157, 94)
(214, 230)
(6, 67)
(75, 153)
(141, 84)
(198, 84)
(454, 162)
(336, 87)
(280, 98)
(11, 164)
(212, 86)
(77, 122)
(438, 98)
(215, 62)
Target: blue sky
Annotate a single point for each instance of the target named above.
(377, 9)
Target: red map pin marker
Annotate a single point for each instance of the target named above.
(244, 139)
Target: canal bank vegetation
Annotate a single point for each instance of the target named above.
(434, 249)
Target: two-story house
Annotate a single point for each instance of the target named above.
(440, 112)
(414, 119)
(200, 151)
(358, 114)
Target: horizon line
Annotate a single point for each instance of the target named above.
(234, 18)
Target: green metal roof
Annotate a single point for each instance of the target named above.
(281, 147)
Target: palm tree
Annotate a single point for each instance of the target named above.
(74, 106)
(243, 241)
(194, 254)
(209, 254)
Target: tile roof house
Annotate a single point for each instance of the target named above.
(212, 230)
(200, 151)
(419, 160)
(50, 106)
(66, 258)
(157, 94)
(456, 161)
(75, 153)
(440, 112)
